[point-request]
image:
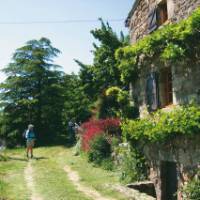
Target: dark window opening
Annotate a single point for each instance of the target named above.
(157, 16)
(167, 86)
(169, 181)
(162, 14)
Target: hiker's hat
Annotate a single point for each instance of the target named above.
(30, 126)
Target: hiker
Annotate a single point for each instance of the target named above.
(30, 140)
(79, 132)
(71, 130)
(76, 128)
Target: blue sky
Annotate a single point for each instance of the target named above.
(73, 39)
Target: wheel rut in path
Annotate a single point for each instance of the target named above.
(28, 173)
(88, 191)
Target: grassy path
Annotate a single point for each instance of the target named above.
(28, 173)
(12, 183)
(74, 177)
(54, 174)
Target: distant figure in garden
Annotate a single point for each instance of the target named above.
(71, 130)
(76, 127)
(30, 140)
(79, 132)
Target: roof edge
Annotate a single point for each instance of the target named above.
(130, 14)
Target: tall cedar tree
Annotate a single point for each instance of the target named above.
(32, 92)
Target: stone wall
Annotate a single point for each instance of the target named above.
(177, 10)
(184, 152)
(183, 8)
(185, 86)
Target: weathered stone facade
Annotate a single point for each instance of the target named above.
(185, 81)
(138, 17)
(185, 86)
(180, 156)
(184, 153)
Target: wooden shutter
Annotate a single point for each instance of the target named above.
(152, 92)
(152, 20)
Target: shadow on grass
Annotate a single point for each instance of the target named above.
(40, 158)
(26, 159)
(18, 159)
(61, 140)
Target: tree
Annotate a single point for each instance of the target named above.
(32, 91)
(106, 72)
(76, 106)
(103, 73)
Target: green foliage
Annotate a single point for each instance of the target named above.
(103, 73)
(172, 52)
(100, 149)
(162, 126)
(121, 96)
(192, 190)
(106, 107)
(107, 164)
(121, 105)
(31, 90)
(95, 79)
(3, 186)
(172, 43)
(76, 104)
(3, 158)
(131, 163)
(113, 91)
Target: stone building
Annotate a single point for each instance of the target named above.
(163, 87)
(176, 84)
(148, 15)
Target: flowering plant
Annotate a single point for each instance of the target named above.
(93, 128)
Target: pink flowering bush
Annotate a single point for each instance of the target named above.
(94, 128)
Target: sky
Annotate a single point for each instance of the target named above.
(74, 40)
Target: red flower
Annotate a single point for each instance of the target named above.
(93, 128)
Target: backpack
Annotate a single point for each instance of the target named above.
(24, 134)
(30, 134)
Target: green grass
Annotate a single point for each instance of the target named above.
(12, 184)
(51, 181)
(95, 177)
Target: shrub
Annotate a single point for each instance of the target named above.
(100, 149)
(131, 163)
(94, 128)
(192, 190)
(162, 126)
(107, 164)
(121, 106)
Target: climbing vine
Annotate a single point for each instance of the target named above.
(173, 43)
(162, 126)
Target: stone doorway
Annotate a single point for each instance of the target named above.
(169, 180)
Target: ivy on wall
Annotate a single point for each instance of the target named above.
(172, 43)
(162, 126)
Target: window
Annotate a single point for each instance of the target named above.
(167, 87)
(157, 16)
(162, 14)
